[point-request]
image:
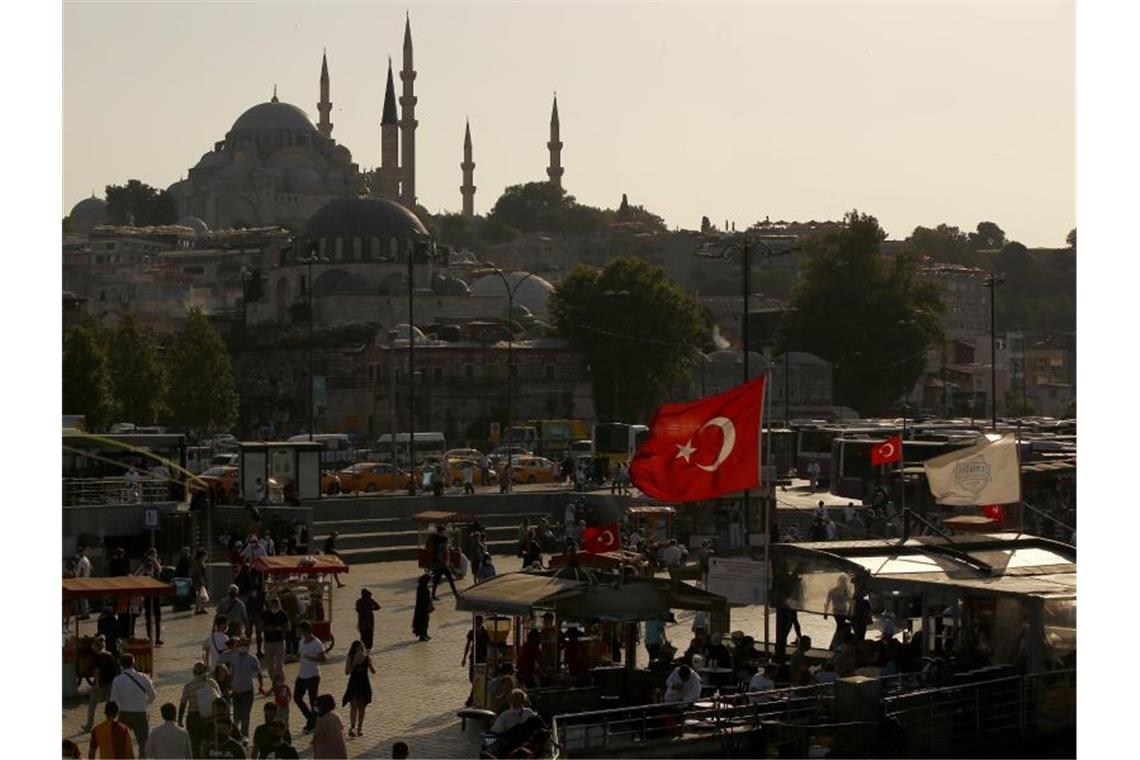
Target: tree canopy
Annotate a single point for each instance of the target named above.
(870, 316)
(86, 380)
(139, 204)
(543, 207)
(202, 394)
(138, 379)
(637, 329)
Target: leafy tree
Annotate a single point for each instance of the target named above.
(140, 204)
(706, 225)
(870, 316)
(988, 237)
(623, 212)
(202, 394)
(943, 243)
(533, 207)
(456, 230)
(86, 380)
(138, 379)
(1071, 239)
(636, 328)
(497, 231)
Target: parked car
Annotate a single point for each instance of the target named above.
(223, 482)
(371, 477)
(474, 454)
(456, 468)
(534, 470)
(515, 451)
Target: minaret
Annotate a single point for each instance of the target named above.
(389, 148)
(408, 121)
(324, 126)
(468, 167)
(554, 171)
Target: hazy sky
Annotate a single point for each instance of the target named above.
(918, 113)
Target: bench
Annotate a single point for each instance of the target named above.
(475, 713)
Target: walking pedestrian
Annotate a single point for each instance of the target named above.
(366, 608)
(198, 577)
(152, 607)
(104, 668)
(112, 737)
(215, 644)
(330, 548)
(475, 650)
(133, 692)
(282, 697)
(422, 615)
(269, 734)
(169, 740)
(469, 480)
(196, 704)
(275, 624)
(233, 609)
(438, 546)
(243, 667)
(328, 733)
(312, 653)
(82, 570)
(358, 692)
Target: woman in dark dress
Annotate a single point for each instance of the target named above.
(358, 693)
(423, 608)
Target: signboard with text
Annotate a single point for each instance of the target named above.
(740, 581)
(152, 519)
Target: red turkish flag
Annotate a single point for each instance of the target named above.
(888, 451)
(597, 539)
(702, 449)
(994, 512)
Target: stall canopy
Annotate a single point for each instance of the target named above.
(290, 564)
(120, 586)
(605, 597)
(436, 516)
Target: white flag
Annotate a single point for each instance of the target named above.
(985, 473)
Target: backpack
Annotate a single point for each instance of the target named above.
(205, 696)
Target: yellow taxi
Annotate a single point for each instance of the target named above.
(370, 477)
(533, 470)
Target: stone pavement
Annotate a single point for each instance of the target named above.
(418, 686)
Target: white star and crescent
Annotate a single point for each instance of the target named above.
(887, 450)
(685, 451)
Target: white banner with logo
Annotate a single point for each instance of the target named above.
(985, 473)
(740, 581)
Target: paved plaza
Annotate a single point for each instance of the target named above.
(418, 686)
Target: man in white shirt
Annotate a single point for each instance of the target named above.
(134, 491)
(169, 740)
(215, 646)
(682, 685)
(312, 654)
(254, 548)
(671, 554)
(133, 692)
(517, 714)
(82, 570)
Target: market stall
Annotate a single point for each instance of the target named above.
(77, 652)
(310, 579)
(456, 526)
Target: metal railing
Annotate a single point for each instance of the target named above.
(83, 492)
(607, 731)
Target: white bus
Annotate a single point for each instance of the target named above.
(337, 447)
(618, 440)
(427, 444)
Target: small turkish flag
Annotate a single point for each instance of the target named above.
(994, 512)
(702, 449)
(597, 539)
(888, 451)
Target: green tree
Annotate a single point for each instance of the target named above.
(533, 207)
(638, 331)
(870, 316)
(138, 379)
(942, 243)
(988, 237)
(86, 380)
(202, 394)
(1071, 239)
(140, 204)
(458, 231)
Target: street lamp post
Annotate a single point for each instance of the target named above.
(745, 247)
(510, 361)
(992, 281)
(412, 247)
(309, 260)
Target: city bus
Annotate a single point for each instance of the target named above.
(618, 440)
(336, 447)
(851, 466)
(427, 444)
(813, 444)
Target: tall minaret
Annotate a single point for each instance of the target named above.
(389, 147)
(408, 121)
(324, 126)
(554, 171)
(468, 167)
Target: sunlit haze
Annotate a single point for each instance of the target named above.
(918, 113)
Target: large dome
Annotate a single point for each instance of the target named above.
(364, 217)
(89, 208)
(273, 116)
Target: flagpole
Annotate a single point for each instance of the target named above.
(902, 474)
(770, 502)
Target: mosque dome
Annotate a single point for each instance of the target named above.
(533, 293)
(273, 116)
(88, 214)
(364, 217)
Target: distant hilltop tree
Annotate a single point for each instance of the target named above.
(137, 203)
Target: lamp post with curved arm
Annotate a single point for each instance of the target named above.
(511, 290)
(312, 258)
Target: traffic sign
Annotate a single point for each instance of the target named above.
(152, 518)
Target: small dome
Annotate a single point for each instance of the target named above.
(194, 223)
(364, 217)
(273, 117)
(89, 208)
(533, 293)
(212, 160)
(303, 180)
